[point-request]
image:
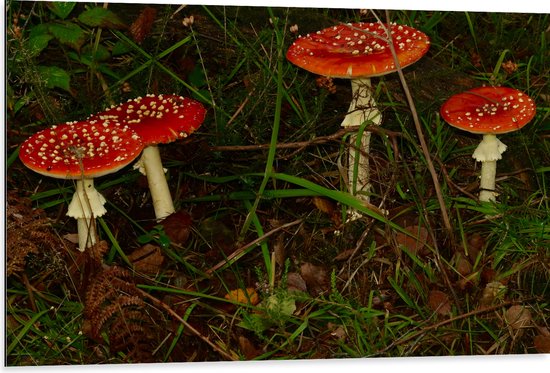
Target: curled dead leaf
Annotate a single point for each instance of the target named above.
(316, 278)
(329, 208)
(177, 227)
(439, 302)
(492, 291)
(415, 244)
(518, 317)
(147, 259)
(248, 349)
(542, 344)
(248, 297)
(295, 283)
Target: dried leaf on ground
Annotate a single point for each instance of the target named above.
(492, 291)
(542, 344)
(147, 259)
(177, 227)
(316, 278)
(239, 295)
(29, 231)
(143, 24)
(248, 349)
(518, 317)
(344, 255)
(439, 302)
(476, 242)
(329, 208)
(415, 244)
(295, 283)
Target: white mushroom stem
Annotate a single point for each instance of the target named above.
(150, 165)
(488, 152)
(362, 109)
(86, 205)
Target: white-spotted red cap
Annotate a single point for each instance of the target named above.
(158, 119)
(81, 149)
(489, 110)
(357, 50)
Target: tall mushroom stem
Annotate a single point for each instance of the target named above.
(362, 109)
(86, 205)
(150, 165)
(489, 151)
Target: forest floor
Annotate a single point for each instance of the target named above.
(260, 260)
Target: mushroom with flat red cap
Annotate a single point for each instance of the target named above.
(82, 151)
(158, 119)
(489, 111)
(359, 51)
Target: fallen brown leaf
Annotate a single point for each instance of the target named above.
(542, 344)
(329, 208)
(492, 291)
(177, 227)
(416, 244)
(316, 278)
(295, 282)
(147, 259)
(248, 349)
(439, 302)
(518, 317)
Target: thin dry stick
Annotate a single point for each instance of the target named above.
(236, 254)
(302, 144)
(449, 321)
(423, 145)
(174, 314)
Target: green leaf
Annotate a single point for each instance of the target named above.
(40, 29)
(120, 48)
(38, 43)
(99, 54)
(69, 34)
(101, 17)
(55, 77)
(61, 9)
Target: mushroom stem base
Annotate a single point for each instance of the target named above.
(487, 183)
(488, 152)
(158, 186)
(86, 205)
(362, 110)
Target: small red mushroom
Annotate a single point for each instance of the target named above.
(489, 111)
(82, 151)
(158, 119)
(359, 51)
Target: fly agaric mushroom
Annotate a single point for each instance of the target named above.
(82, 151)
(158, 119)
(359, 51)
(489, 111)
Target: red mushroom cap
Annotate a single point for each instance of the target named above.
(81, 149)
(357, 50)
(489, 110)
(158, 119)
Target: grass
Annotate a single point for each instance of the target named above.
(263, 204)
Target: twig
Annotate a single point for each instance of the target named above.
(449, 321)
(237, 253)
(423, 145)
(174, 314)
(302, 144)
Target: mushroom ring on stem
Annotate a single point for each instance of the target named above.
(359, 51)
(82, 151)
(158, 119)
(489, 111)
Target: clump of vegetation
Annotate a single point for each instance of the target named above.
(260, 260)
